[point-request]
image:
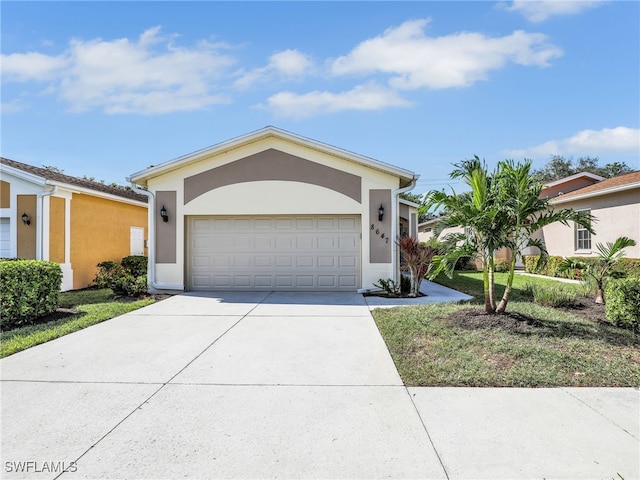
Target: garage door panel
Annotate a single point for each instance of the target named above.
(287, 253)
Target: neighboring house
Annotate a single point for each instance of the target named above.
(614, 202)
(71, 221)
(272, 210)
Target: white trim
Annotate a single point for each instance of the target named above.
(96, 193)
(409, 203)
(143, 175)
(593, 176)
(596, 193)
(22, 175)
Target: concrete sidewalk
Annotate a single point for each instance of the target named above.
(282, 385)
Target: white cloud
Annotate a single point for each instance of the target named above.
(13, 107)
(287, 64)
(415, 60)
(363, 97)
(586, 142)
(23, 67)
(147, 76)
(541, 10)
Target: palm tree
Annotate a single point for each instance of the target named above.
(479, 213)
(608, 257)
(526, 213)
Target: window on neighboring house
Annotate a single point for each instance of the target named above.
(583, 238)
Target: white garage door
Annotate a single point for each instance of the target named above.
(274, 253)
(5, 240)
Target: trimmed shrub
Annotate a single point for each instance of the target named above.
(623, 302)
(629, 266)
(501, 265)
(30, 289)
(109, 273)
(136, 265)
(124, 279)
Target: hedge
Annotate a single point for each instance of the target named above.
(630, 266)
(128, 278)
(30, 289)
(622, 305)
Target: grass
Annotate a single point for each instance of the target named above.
(93, 306)
(536, 346)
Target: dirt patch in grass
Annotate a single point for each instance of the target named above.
(587, 308)
(475, 318)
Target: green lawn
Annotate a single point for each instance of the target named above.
(93, 306)
(535, 346)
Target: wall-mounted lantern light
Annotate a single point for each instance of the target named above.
(163, 214)
(380, 213)
(25, 219)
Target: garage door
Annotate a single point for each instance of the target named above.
(274, 253)
(5, 240)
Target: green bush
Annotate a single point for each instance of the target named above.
(108, 275)
(501, 265)
(125, 279)
(30, 289)
(556, 296)
(629, 266)
(623, 302)
(136, 265)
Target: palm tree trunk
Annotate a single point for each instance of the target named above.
(490, 295)
(487, 290)
(507, 291)
(600, 292)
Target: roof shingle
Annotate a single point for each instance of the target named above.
(79, 182)
(619, 181)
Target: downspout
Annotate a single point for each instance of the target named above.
(40, 222)
(151, 242)
(394, 224)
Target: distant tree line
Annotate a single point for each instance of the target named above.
(559, 167)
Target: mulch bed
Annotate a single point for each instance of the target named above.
(476, 318)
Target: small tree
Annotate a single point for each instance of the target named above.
(478, 211)
(416, 259)
(608, 257)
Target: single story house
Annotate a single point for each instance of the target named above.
(272, 210)
(614, 202)
(75, 222)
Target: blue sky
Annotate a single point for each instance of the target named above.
(105, 89)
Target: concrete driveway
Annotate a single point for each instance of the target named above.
(284, 385)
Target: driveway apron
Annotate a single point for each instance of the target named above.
(226, 385)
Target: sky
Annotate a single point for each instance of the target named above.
(105, 89)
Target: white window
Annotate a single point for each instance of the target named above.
(583, 237)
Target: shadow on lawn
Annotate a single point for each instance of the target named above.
(525, 325)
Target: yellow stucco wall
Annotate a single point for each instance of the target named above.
(56, 229)
(5, 194)
(26, 233)
(100, 230)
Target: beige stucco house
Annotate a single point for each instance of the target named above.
(47, 215)
(272, 210)
(614, 202)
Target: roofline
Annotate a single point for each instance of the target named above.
(573, 177)
(266, 132)
(409, 202)
(95, 193)
(596, 193)
(30, 177)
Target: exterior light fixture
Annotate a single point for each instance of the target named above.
(163, 214)
(380, 213)
(25, 219)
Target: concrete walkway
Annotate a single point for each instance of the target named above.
(283, 385)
